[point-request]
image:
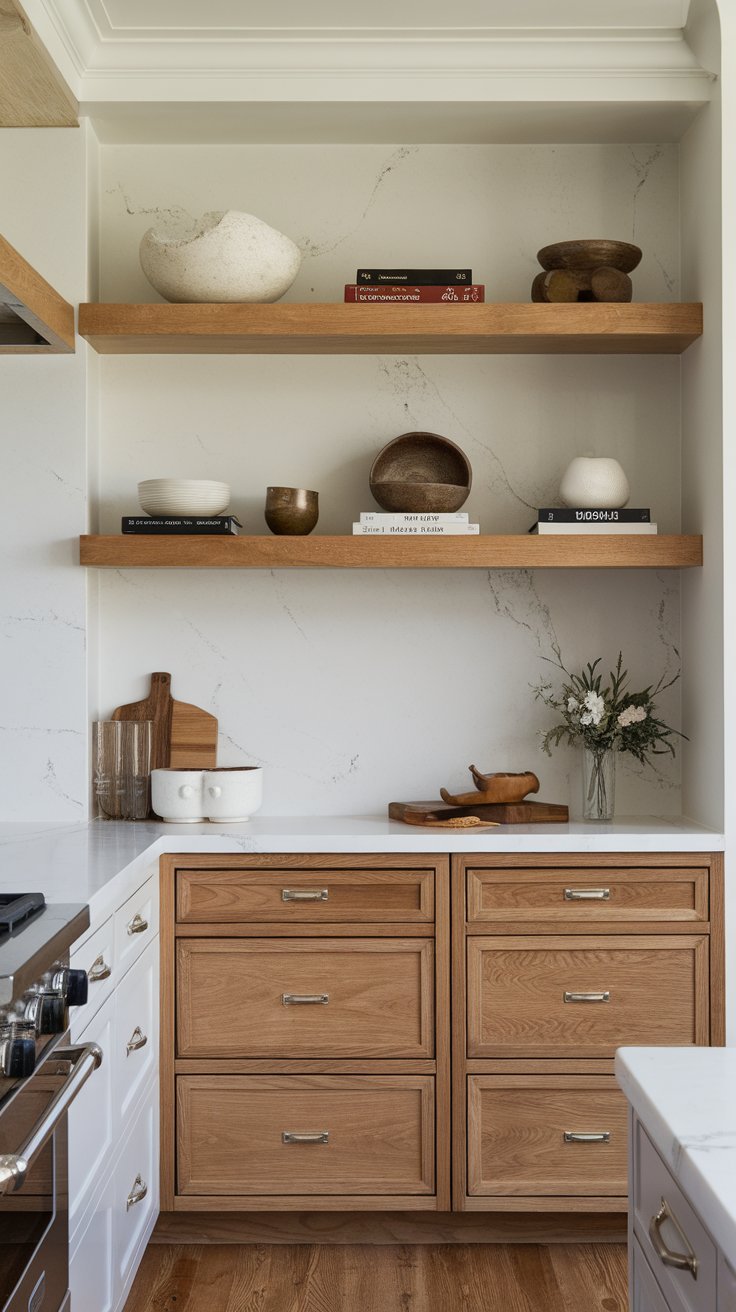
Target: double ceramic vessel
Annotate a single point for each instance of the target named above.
(225, 795)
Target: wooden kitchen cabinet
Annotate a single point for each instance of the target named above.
(551, 963)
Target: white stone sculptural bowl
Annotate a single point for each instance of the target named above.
(226, 256)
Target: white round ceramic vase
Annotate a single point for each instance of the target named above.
(594, 482)
(228, 256)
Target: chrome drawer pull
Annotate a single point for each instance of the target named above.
(311, 1136)
(305, 894)
(587, 894)
(683, 1261)
(137, 1193)
(99, 970)
(137, 925)
(586, 997)
(137, 1040)
(305, 999)
(574, 1136)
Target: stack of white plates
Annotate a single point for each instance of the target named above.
(183, 496)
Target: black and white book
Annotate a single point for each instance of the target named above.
(575, 515)
(592, 530)
(414, 517)
(221, 525)
(416, 530)
(415, 277)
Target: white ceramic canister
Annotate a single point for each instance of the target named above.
(232, 794)
(177, 796)
(595, 482)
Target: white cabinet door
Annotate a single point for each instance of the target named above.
(646, 1296)
(135, 1184)
(136, 925)
(92, 1261)
(97, 957)
(136, 1034)
(91, 1118)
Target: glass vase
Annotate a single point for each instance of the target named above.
(121, 763)
(599, 783)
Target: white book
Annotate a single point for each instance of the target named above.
(413, 517)
(620, 530)
(416, 530)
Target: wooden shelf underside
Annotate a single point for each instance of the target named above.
(287, 328)
(34, 318)
(512, 551)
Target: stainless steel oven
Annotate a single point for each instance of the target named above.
(40, 1076)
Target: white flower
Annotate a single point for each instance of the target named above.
(632, 715)
(595, 708)
(572, 705)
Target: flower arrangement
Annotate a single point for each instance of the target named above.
(605, 718)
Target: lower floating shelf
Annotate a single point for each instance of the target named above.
(510, 551)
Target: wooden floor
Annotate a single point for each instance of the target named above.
(427, 1278)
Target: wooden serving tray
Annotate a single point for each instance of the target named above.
(504, 813)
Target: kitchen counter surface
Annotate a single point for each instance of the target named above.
(84, 862)
(686, 1100)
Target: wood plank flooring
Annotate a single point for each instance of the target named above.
(401, 1278)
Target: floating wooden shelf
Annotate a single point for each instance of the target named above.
(512, 551)
(660, 329)
(34, 318)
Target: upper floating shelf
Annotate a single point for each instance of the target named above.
(510, 551)
(320, 329)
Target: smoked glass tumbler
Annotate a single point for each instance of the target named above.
(121, 764)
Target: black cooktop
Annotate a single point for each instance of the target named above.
(17, 907)
(40, 939)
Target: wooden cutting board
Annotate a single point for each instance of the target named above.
(184, 736)
(504, 813)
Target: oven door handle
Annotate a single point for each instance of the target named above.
(14, 1167)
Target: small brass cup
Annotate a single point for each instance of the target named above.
(292, 510)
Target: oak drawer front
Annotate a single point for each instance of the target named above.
(305, 998)
(583, 996)
(673, 1226)
(546, 1135)
(364, 1134)
(306, 896)
(575, 896)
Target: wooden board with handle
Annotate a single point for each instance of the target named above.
(184, 736)
(505, 813)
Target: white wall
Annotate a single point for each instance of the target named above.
(354, 688)
(43, 722)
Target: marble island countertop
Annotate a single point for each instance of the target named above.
(83, 862)
(686, 1100)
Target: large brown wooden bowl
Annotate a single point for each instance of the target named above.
(421, 472)
(590, 254)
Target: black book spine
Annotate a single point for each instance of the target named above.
(573, 515)
(415, 277)
(183, 527)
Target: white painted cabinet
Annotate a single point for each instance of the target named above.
(113, 1125)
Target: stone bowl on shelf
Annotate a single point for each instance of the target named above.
(421, 472)
(227, 256)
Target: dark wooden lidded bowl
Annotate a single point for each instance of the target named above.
(421, 472)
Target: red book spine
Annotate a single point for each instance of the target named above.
(473, 293)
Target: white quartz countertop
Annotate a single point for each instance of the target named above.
(85, 862)
(686, 1100)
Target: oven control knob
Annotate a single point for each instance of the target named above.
(76, 988)
(20, 1058)
(52, 1017)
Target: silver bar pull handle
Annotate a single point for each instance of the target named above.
(84, 1059)
(137, 1040)
(305, 895)
(138, 924)
(587, 894)
(605, 996)
(576, 1136)
(682, 1261)
(305, 999)
(137, 1193)
(99, 970)
(308, 1136)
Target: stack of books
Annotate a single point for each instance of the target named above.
(427, 524)
(415, 286)
(184, 524)
(572, 520)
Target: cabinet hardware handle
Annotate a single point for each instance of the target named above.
(137, 1193)
(683, 1261)
(305, 999)
(137, 1040)
(137, 925)
(586, 997)
(305, 894)
(575, 1136)
(587, 894)
(311, 1136)
(99, 970)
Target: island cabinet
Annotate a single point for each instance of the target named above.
(310, 1004)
